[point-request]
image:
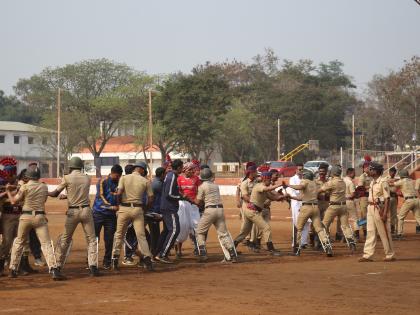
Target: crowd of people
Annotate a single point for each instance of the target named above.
(152, 218)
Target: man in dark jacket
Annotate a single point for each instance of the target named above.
(169, 209)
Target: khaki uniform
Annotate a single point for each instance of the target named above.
(364, 180)
(337, 189)
(379, 190)
(131, 210)
(209, 193)
(9, 226)
(408, 191)
(393, 203)
(323, 198)
(258, 198)
(309, 210)
(77, 185)
(350, 204)
(34, 196)
(245, 188)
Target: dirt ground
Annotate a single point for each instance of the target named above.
(259, 284)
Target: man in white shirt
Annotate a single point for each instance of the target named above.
(295, 207)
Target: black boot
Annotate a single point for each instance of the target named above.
(272, 250)
(25, 267)
(56, 274)
(1, 267)
(338, 237)
(114, 263)
(417, 229)
(202, 253)
(297, 250)
(233, 256)
(352, 245)
(253, 247)
(148, 264)
(13, 273)
(94, 271)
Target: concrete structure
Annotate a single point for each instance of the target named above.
(28, 143)
(123, 150)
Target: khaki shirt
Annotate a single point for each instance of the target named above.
(309, 193)
(35, 195)
(134, 186)
(365, 180)
(246, 187)
(77, 185)
(337, 189)
(209, 193)
(350, 187)
(392, 188)
(379, 189)
(407, 187)
(322, 197)
(259, 196)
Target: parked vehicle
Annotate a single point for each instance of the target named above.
(314, 165)
(285, 168)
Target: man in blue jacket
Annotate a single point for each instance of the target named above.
(104, 210)
(169, 209)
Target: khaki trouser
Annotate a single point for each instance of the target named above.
(74, 217)
(216, 217)
(125, 216)
(310, 212)
(26, 223)
(256, 233)
(243, 206)
(352, 210)
(9, 223)
(253, 217)
(375, 226)
(363, 202)
(393, 204)
(409, 204)
(342, 214)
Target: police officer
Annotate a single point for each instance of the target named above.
(309, 210)
(336, 187)
(377, 216)
(209, 195)
(131, 188)
(252, 211)
(77, 185)
(393, 200)
(351, 205)
(407, 186)
(34, 195)
(363, 190)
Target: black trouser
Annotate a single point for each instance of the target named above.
(109, 223)
(34, 244)
(169, 233)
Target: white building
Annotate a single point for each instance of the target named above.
(123, 150)
(27, 143)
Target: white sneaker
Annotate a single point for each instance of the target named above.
(38, 262)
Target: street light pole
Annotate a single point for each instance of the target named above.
(58, 130)
(150, 132)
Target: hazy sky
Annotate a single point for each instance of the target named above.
(369, 36)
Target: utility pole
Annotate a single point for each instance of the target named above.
(278, 140)
(58, 130)
(353, 142)
(150, 132)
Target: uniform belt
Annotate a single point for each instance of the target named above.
(77, 207)
(132, 205)
(215, 206)
(411, 197)
(337, 203)
(309, 203)
(32, 212)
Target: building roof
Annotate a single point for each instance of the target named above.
(19, 126)
(122, 144)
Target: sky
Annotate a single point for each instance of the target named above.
(369, 36)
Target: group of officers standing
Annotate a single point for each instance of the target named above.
(126, 204)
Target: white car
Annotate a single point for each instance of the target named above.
(314, 165)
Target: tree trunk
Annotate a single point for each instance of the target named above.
(97, 163)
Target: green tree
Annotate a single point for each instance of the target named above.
(97, 94)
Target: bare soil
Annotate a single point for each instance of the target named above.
(259, 284)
